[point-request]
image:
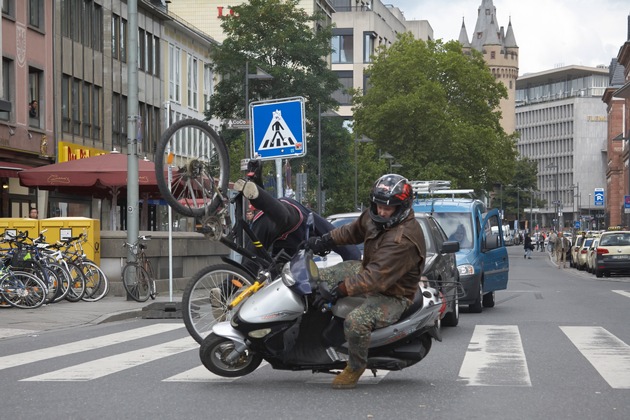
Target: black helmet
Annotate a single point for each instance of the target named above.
(391, 190)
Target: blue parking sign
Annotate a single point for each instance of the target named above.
(598, 197)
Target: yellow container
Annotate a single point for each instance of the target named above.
(62, 228)
(17, 225)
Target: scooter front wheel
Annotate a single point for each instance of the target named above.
(214, 352)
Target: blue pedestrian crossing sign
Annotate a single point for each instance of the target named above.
(598, 196)
(278, 129)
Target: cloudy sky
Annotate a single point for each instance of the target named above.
(549, 33)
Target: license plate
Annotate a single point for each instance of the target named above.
(620, 257)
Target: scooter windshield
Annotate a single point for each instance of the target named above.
(300, 273)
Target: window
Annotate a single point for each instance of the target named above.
(208, 85)
(119, 120)
(192, 82)
(36, 13)
(342, 96)
(369, 39)
(7, 85)
(141, 50)
(35, 90)
(174, 76)
(76, 107)
(492, 55)
(119, 38)
(149, 54)
(156, 56)
(342, 45)
(8, 7)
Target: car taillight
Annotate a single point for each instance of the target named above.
(601, 251)
(583, 251)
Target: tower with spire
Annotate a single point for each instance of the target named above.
(500, 52)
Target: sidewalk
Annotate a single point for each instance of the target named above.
(66, 314)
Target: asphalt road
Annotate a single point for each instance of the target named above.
(555, 346)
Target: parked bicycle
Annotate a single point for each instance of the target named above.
(137, 276)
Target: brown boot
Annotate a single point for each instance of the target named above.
(347, 379)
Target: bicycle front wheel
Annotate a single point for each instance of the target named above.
(198, 160)
(137, 282)
(207, 295)
(23, 290)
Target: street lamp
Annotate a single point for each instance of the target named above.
(357, 140)
(259, 75)
(556, 202)
(319, 153)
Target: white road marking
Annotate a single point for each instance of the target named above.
(608, 354)
(495, 357)
(83, 345)
(118, 362)
(201, 374)
(623, 293)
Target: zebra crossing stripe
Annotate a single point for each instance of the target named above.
(106, 366)
(83, 345)
(495, 357)
(201, 374)
(623, 293)
(608, 354)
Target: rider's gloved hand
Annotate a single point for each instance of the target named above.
(327, 296)
(248, 188)
(321, 245)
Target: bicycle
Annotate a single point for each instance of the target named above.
(137, 276)
(21, 289)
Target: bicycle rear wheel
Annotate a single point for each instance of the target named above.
(23, 290)
(207, 295)
(200, 167)
(137, 282)
(96, 282)
(77, 284)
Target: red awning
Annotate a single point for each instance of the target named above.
(10, 170)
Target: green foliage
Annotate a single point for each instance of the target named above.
(279, 38)
(435, 109)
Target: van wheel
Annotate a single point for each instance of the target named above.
(488, 300)
(476, 307)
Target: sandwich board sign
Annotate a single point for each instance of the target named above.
(278, 129)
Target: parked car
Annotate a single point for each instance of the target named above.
(580, 262)
(591, 256)
(440, 264)
(613, 253)
(482, 259)
(575, 247)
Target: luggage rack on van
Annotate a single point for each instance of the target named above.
(442, 188)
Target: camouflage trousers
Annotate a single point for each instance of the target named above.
(377, 311)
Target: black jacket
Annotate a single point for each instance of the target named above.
(281, 224)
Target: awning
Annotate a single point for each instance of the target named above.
(10, 170)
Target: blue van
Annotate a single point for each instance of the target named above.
(482, 260)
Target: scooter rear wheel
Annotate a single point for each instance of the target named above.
(214, 351)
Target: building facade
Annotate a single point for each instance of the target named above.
(620, 132)
(75, 64)
(562, 123)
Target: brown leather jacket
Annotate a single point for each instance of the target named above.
(393, 259)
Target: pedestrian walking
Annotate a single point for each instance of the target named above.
(528, 246)
(561, 246)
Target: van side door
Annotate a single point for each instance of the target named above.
(495, 260)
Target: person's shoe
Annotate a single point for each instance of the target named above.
(529, 258)
(347, 379)
(218, 312)
(524, 256)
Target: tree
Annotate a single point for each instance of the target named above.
(436, 110)
(279, 38)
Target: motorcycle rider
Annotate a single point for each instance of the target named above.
(393, 261)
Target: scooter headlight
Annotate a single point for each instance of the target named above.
(287, 277)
